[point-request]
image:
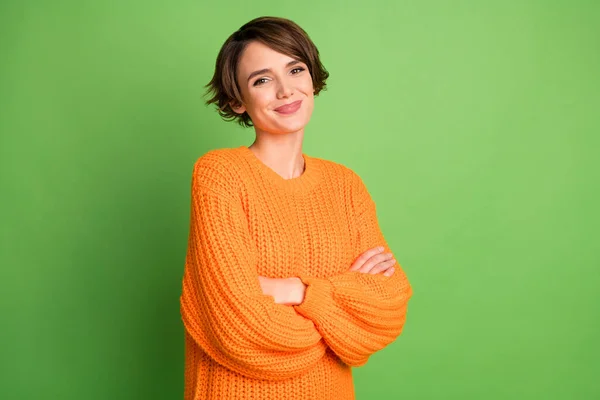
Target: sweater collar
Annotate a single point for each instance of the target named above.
(307, 181)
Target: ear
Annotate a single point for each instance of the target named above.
(240, 109)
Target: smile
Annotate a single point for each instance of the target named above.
(289, 108)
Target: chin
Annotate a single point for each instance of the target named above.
(292, 126)
(285, 126)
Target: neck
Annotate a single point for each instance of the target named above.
(281, 153)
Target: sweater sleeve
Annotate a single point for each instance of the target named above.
(358, 314)
(222, 304)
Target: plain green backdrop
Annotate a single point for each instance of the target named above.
(474, 124)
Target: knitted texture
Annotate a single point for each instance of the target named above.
(248, 221)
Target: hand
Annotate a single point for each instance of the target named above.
(286, 291)
(374, 261)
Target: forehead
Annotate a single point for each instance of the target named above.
(257, 56)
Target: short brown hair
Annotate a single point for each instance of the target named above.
(280, 34)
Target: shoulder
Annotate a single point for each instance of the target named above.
(217, 170)
(216, 158)
(341, 172)
(354, 187)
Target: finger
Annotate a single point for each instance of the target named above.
(373, 261)
(382, 266)
(389, 272)
(364, 257)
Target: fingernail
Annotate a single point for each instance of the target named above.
(380, 248)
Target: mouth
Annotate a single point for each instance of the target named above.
(289, 108)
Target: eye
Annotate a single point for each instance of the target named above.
(259, 82)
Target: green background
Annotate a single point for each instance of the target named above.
(474, 124)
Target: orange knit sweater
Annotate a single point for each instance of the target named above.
(247, 221)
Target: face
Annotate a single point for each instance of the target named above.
(269, 80)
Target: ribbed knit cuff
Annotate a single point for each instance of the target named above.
(318, 298)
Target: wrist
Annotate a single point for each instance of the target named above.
(289, 291)
(286, 291)
(295, 291)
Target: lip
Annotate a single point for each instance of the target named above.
(289, 108)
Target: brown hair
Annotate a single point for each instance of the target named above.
(280, 34)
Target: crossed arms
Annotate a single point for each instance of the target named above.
(240, 320)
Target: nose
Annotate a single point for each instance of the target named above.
(285, 89)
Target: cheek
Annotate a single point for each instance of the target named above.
(307, 84)
(310, 105)
(262, 99)
(310, 95)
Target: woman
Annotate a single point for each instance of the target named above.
(288, 282)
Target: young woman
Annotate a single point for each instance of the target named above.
(288, 281)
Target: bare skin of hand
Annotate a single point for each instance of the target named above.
(290, 291)
(286, 291)
(374, 261)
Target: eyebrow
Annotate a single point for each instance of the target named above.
(265, 70)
